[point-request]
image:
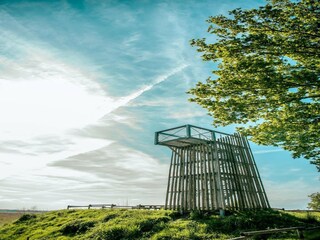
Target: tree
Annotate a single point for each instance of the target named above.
(315, 201)
(267, 79)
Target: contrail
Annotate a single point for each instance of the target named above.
(127, 99)
(267, 151)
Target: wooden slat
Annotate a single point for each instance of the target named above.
(232, 180)
(262, 193)
(210, 177)
(250, 188)
(176, 178)
(173, 176)
(239, 201)
(169, 181)
(269, 231)
(198, 178)
(194, 178)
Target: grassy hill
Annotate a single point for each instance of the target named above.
(146, 224)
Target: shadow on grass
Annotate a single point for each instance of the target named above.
(252, 220)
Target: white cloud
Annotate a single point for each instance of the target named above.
(111, 174)
(289, 194)
(47, 106)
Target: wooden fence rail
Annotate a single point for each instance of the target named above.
(299, 230)
(151, 207)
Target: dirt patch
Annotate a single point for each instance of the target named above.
(9, 217)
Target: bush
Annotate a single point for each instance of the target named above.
(115, 232)
(76, 227)
(109, 217)
(310, 219)
(26, 217)
(153, 224)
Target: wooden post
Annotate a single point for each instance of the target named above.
(169, 181)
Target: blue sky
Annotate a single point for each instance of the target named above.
(85, 84)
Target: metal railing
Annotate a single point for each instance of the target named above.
(187, 131)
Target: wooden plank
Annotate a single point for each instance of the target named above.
(173, 177)
(179, 179)
(245, 182)
(221, 203)
(269, 231)
(188, 176)
(198, 178)
(210, 177)
(232, 174)
(215, 169)
(238, 238)
(185, 179)
(206, 179)
(176, 178)
(169, 181)
(239, 202)
(193, 179)
(256, 191)
(224, 172)
(249, 188)
(255, 182)
(231, 178)
(265, 198)
(182, 178)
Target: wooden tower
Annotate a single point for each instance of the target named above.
(211, 170)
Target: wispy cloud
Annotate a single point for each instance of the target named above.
(111, 174)
(267, 151)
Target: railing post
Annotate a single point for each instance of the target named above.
(156, 137)
(213, 136)
(188, 130)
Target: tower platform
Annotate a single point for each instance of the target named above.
(211, 170)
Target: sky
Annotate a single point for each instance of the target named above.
(85, 84)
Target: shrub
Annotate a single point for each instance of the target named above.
(26, 217)
(109, 217)
(76, 227)
(115, 232)
(153, 224)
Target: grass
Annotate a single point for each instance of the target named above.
(155, 225)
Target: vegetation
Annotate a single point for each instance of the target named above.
(8, 217)
(315, 201)
(144, 224)
(268, 74)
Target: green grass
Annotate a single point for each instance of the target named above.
(145, 224)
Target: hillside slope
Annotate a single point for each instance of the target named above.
(146, 224)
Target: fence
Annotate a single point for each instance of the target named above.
(111, 206)
(299, 230)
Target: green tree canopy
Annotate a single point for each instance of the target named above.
(268, 74)
(315, 201)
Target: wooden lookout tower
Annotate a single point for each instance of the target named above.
(211, 170)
